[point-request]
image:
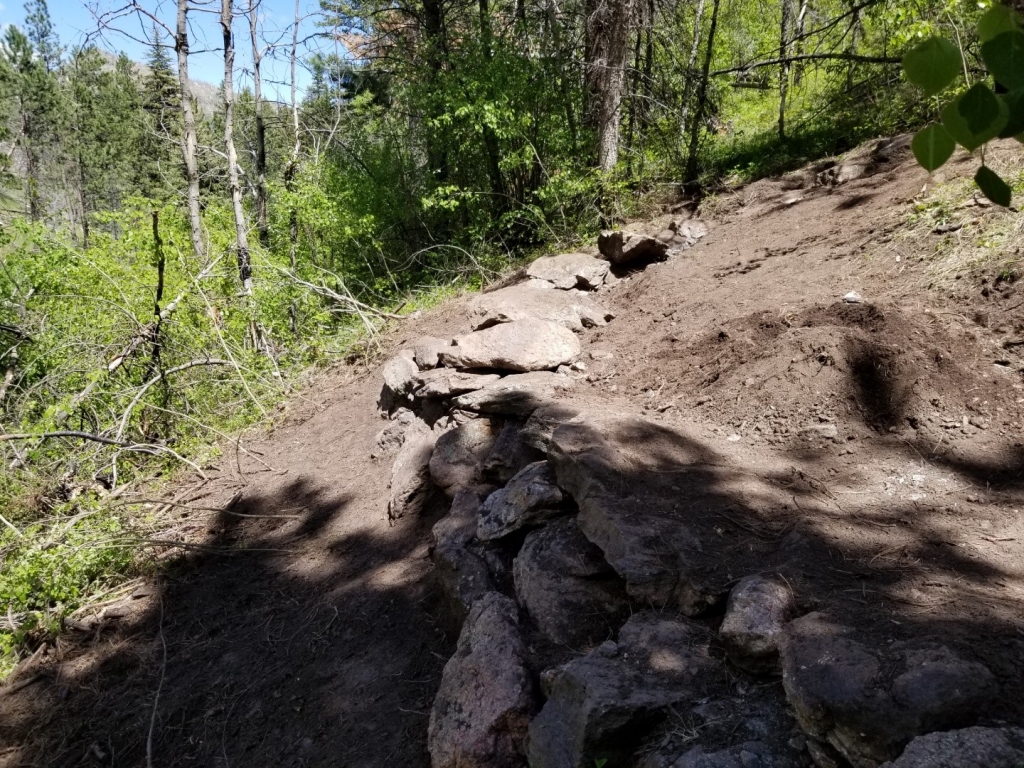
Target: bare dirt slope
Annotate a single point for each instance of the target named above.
(875, 450)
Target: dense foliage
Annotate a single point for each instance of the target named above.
(155, 297)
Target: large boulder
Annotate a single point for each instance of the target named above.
(486, 698)
(410, 474)
(458, 456)
(541, 426)
(459, 565)
(570, 270)
(868, 705)
(398, 374)
(755, 617)
(601, 705)
(529, 499)
(626, 475)
(390, 439)
(567, 587)
(523, 345)
(537, 300)
(516, 395)
(621, 247)
(427, 351)
(439, 383)
(966, 748)
(510, 454)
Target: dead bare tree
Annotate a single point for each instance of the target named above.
(189, 139)
(241, 234)
(261, 134)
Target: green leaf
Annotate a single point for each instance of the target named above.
(961, 120)
(932, 146)
(996, 20)
(933, 64)
(1004, 57)
(1014, 101)
(993, 187)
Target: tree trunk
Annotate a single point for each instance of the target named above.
(261, 133)
(702, 97)
(801, 20)
(605, 51)
(783, 67)
(289, 173)
(688, 89)
(189, 140)
(492, 148)
(241, 236)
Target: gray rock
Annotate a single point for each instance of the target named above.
(444, 382)
(537, 300)
(398, 374)
(869, 706)
(567, 587)
(517, 395)
(620, 247)
(390, 439)
(524, 345)
(458, 457)
(570, 270)
(541, 425)
(966, 748)
(755, 617)
(486, 698)
(530, 498)
(427, 351)
(612, 466)
(461, 569)
(510, 454)
(410, 475)
(752, 754)
(600, 706)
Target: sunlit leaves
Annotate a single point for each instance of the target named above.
(993, 187)
(995, 21)
(933, 64)
(932, 146)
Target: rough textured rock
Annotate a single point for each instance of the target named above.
(461, 569)
(398, 374)
(966, 748)
(390, 439)
(752, 754)
(410, 475)
(517, 395)
(757, 612)
(537, 299)
(444, 382)
(567, 587)
(570, 270)
(458, 457)
(616, 468)
(541, 425)
(869, 706)
(525, 345)
(427, 351)
(486, 698)
(599, 706)
(621, 247)
(510, 454)
(530, 498)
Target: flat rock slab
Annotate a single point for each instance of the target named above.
(567, 587)
(570, 270)
(966, 748)
(440, 383)
(529, 499)
(458, 456)
(869, 705)
(620, 247)
(537, 299)
(755, 617)
(517, 395)
(523, 345)
(486, 698)
(599, 706)
(619, 470)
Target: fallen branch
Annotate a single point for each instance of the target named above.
(150, 448)
(808, 57)
(323, 290)
(156, 379)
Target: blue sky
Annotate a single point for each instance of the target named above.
(75, 21)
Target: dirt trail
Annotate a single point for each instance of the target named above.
(877, 444)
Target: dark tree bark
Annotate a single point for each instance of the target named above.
(261, 131)
(702, 97)
(241, 235)
(606, 48)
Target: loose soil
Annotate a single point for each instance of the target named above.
(871, 452)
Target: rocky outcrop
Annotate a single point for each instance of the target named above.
(440, 383)
(390, 439)
(541, 426)
(534, 300)
(410, 475)
(752, 754)
(567, 587)
(524, 345)
(398, 374)
(621, 248)
(427, 351)
(530, 498)
(604, 463)
(756, 615)
(599, 706)
(966, 748)
(510, 454)
(868, 705)
(517, 395)
(460, 566)
(458, 456)
(570, 270)
(486, 698)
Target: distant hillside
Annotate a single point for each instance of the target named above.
(207, 95)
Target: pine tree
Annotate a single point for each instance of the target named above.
(41, 34)
(162, 106)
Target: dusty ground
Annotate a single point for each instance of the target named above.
(873, 452)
